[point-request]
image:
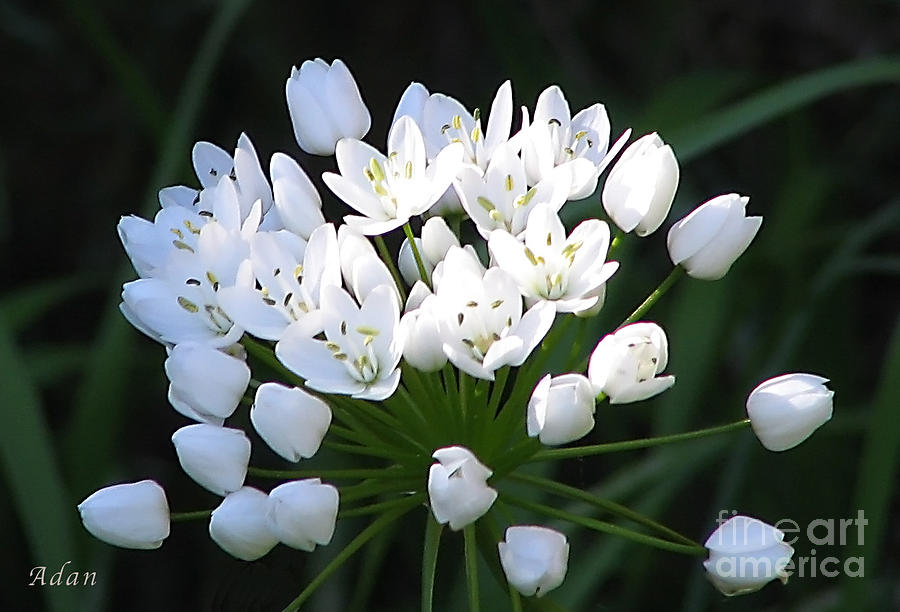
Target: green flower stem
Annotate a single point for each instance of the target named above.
(374, 528)
(430, 548)
(497, 389)
(471, 567)
(267, 355)
(375, 487)
(391, 473)
(451, 392)
(360, 430)
(464, 402)
(608, 528)
(616, 243)
(673, 277)
(357, 449)
(423, 274)
(389, 427)
(380, 506)
(423, 388)
(197, 515)
(518, 454)
(575, 349)
(389, 262)
(609, 506)
(417, 420)
(614, 447)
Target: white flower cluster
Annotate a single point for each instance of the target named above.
(251, 254)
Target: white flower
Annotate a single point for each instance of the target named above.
(303, 513)
(215, 457)
(625, 364)
(785, 410)
(548, 266)
(561, 409)
(422, 345)
(389, 189)
(500, 198)
(436, 240)
(361, 350)
(639, 190)
(554, 138)
(534, 559)
(361, 266)
(239, 525)
(296, 199)
(457, 487)
(745, 554)
(290, 420)
(325, 106)
(713, 236)
(133, 515)
(480, 316)
(206, 384)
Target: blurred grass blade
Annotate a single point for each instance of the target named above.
(32, 474)
(876, 475)
(24, 306)
(716, 129)
(98, 410)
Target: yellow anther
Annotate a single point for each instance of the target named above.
(367, 331)
(456, 121)
(408, 169)
(485, 203)
(180, 245)
(509, 182)
(525, 199)
(376, 169)
(530, 256)
(187, 304)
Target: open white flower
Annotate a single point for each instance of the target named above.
(290, 420)
(480, 316)
(534, 559)
(561, 409)
(745, 554)
(389, 189)
(639, 190)
(239, 525)
(361, 350)
(325, 106)
(625, 363)
(132, 515)
(713, 236)
(303, 513)
(548, 266)
(215, 457)
(554, 138)
(786, 410)
(457, 487)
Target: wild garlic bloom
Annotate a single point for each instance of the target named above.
(745, 554)
(480, 316)
(625, 365)
(500, 197)
(436, 240)
(297, 201)
(457, 487)
(422, 344)
(713, 236)
(303, 513)
(133, 515)
(444, 120)
(325, 105)
(389, 189)
(534, 559)
(215, 457)
(561, 409)
(290, 420)
(786, 410)
(206, 384)
(361, 349)
(239, 525)
(641, 186)
(548, 266)
(554, 138)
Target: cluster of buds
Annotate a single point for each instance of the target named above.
(331, 339)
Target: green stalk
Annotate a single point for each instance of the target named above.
(616, 244)
(614, 447)
(374, 528)
(196, 515)
(608, 528)
(379, 506)
(375, 487)
(420, 264)
(609, 506)
(471, 567)
(389, 262)
(389, 473)
(673, 277)
(267, 355)
(430, 549)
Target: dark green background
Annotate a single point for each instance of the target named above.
(103, 101)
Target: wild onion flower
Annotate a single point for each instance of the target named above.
(269, 310)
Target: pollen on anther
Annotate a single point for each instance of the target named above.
(187, 304)
(460, 317)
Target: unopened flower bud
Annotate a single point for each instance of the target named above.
(303, 513)
(457, 487)
(290, 420)
(561, 409)
(239, 525)
(133, 515)
(206, 384)
(785, 410)
(534, 559)
(745, 554)
(215, 457)
(625, 364)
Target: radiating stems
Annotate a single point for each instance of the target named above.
(381, 506)
(189, 516)
(420, 264)
(375, 487)
(471, 567)
(432, 543)
(613, 447)
(673, 277)
(387, 473)
(374, 528)
(266, 354)
(608, 528)
(608, 506)
(385, 255)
